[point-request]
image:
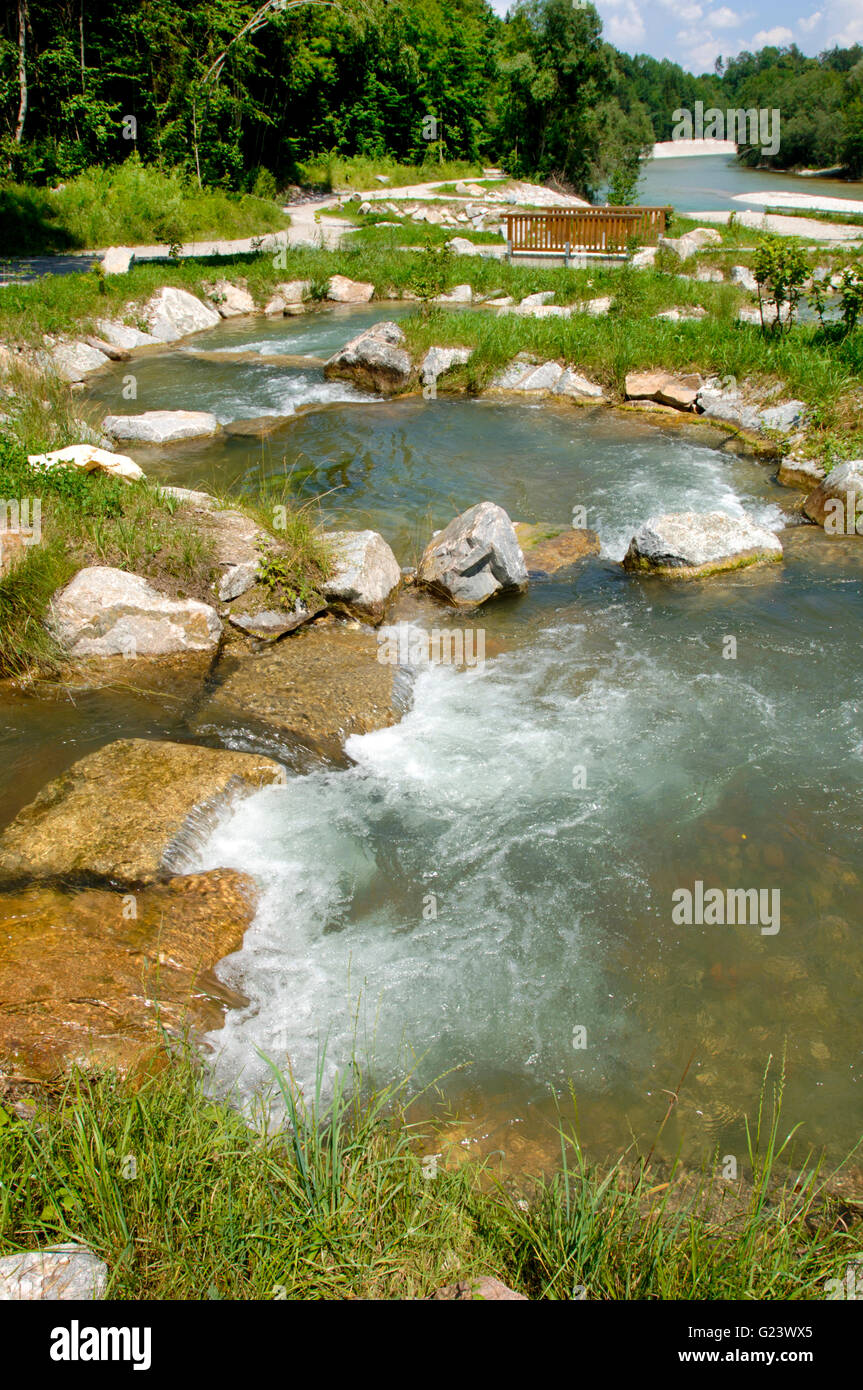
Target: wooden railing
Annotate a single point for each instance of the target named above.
(571, 230)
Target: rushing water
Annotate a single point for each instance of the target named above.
(495, 873)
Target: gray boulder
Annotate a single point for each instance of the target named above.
(476, 556)
(687, 545)
(366, 572)
(108, 612)
(57, 1273)
(375, 360)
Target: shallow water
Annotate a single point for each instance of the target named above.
(495, 873)
(711, 182)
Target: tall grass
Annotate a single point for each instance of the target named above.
(337, 173)
(338, 1203)
(129, 204)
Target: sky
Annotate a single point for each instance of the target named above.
(694, 33)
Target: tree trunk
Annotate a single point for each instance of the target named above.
(22, 70)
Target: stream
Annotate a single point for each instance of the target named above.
(483, 896)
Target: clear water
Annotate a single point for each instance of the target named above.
(707, 183)
(552, 900)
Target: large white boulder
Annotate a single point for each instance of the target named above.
(374, 360)
(688, 545)
(174, 313)
(365, 571)
(230, 301)
(344, 291)
(75, 361)
(108, 612)
(161, 426)
(476, 556)
(118, 260)
(89, 459)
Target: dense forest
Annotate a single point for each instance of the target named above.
(239, 96)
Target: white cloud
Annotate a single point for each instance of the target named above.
(624, 24)
(807, 25)
(772, 38)
(724, 18)
(845, 18)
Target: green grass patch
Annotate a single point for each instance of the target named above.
(340, 1204)
(358, 173)
(127, 204)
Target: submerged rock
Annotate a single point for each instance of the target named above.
(91, 976)
(55, 1274)
(269, 624)
(317, 688)
(365, 572)
(476, 556)
(685, 545)
(375, 360)
(161, 426)
(109, 612)
(837, 502)
(125, 813)
(549, 549)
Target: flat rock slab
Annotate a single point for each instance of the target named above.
(548, 550)
(161, 426)
(127, 813)
(260, 427)
(55, 1274)
(87, 977)
(108, 612)
(317, 687)
(691, 545)
(680, 392)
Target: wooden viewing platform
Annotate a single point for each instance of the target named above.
(574, 231)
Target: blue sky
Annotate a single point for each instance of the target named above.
(694, 33)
